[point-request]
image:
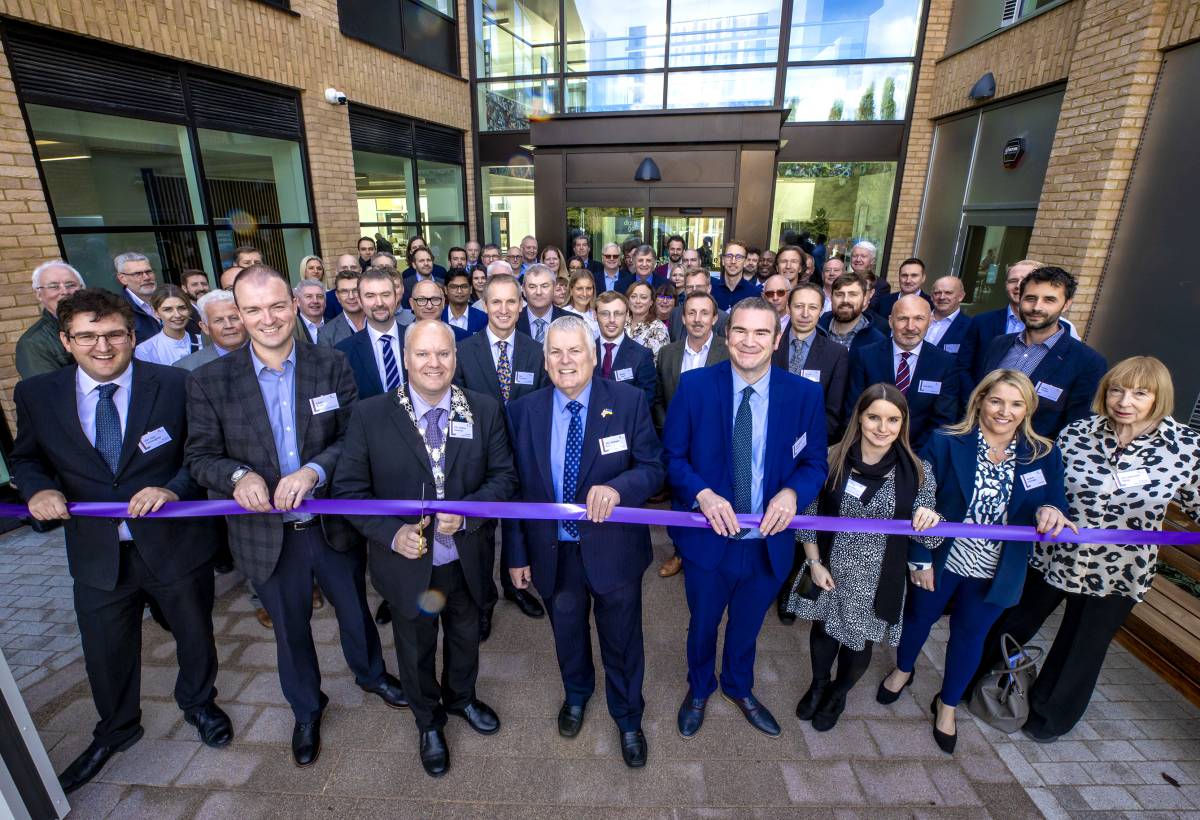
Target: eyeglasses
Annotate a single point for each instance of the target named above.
(458, 286)
(427, 301)
(55, 287)
(735, 257)
(141, 273)
(774, 294)
(116, 338)
(612, 256)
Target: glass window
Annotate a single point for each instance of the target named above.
(508, 203)
(615, 35)
(169, 251)
(253, 179)
(606, 224)
(714, 89)
(614, 92)
(724, 32)
(510, 106)
(875, 91)
(282, 248)
(516, 37)
(987, 253)
(444, 6)
(854, 30)
(441, 238)
(385, 189)
(845, 201)
(441, 189)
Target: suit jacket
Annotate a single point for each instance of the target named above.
(201, 357)
(410, 282)
(954, 460)
(932, 392)
(637, 360)
(335, 331)
(957, 340)
(476, 321)
(677, 331)
(228, 428)
(361, 356)
(144, 325)
(476, 371)
(984, 328)
(613, 554)
(523, 320)
(51, 452)
(869, 336)
(669, 367)
(883, 304)
(384, 456)
(832, 364)
(1065, 381)
(601, 284)
(629, 278)
(698, 438)
(301, 333)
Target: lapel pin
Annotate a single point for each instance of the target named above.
(605, 413)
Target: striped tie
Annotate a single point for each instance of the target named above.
(903, 374)
(539, 333)
(390, 370)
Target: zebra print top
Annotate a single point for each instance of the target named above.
(979, 557)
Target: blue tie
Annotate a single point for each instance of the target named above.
(571, 463)
(389, 363)
(108, 427)
(743, 446)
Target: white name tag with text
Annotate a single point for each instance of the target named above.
(524, 377)
(933, 388)
(625, 374)
(854, 488)
(811, 375)
(1127, 479)
(613, 444)
(153, 439)
(1048, 391)
(1033, 480)
(323, 404)
(951, 348)
(462, 429)
(799, 445)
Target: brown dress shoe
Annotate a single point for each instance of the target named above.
(264, 618)
(670, 567)
(318, 599)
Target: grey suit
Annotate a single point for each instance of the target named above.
(676, 330)
(335, 330)
(201, 357)
(670, 363)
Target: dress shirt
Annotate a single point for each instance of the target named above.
(1025, 357)
(610, 282)
(784, 321)
(560, 423)
(589, 317)
(805, 348)
(377, 351)
(913, 355)
(938, 328)
(312, 327)
(279, 395)
(442, 554)
(758, 410)
(353, 327)
(460, 322)
(694, 361)
(1012, 322)
(144, 307)
(493, 340)
(87, 396)
(546, 317)
(828, 306)
(616, 343)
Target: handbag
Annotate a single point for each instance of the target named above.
(1001, 697)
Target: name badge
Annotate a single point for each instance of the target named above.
(951, 348)
(1132, 478)
(624, 374)
(854, 488)
(799, 445)
(153, 439)
(812, 375)
(524, 377)
(933, 388)
(1048, 391)
(462, 429)
(613, 444)
(323, 404)
(1033, 479)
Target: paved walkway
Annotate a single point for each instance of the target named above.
(1136, 753)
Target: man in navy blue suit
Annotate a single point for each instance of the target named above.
(949, 327)
(730, 287)
(139, 281)
(587, 441)
(929, 378)
(1065, 372)
(742, 437)
(617, 356)
(376, 353)
(644, 261)
(911, 278)
(458, 314)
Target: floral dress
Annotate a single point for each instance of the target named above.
(652, 334)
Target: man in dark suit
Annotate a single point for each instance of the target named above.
(376, 353)
(422, 267)
(265, 427)
(458, 313)
(103, 429)
(696, 280)
(432, 441)
(617, 356)
(929, 378)
(847, 323)
(950, 330)
(581, 247)
(350, 319)
(911, 278)
(505, 364)
(1065, 372)
(310, 309)
(610, 274)
(741, 437)
(676, 245)
(805, 350)
(643, 270)
(138, 281)
(540, 310)
(587, 441)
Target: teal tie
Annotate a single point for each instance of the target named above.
(108, 427)
(743, 457)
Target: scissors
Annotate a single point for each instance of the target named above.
(421, 544)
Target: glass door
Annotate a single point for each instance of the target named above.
(701, 228)
(990, 242)
(604, 224)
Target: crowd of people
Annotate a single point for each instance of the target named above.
(779, 384)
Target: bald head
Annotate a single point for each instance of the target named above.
(909, 321)
(947, 295)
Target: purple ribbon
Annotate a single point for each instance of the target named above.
(626, 515)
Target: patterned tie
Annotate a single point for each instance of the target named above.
(743, 446)
(903, 374)
(796, 357)
(539, 333)
(571, 463)
(389, 363)
(606, 367)
(504, 371)
(108, 427)
(433, 439)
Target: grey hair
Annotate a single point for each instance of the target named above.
(54, 263)
(123, 259)
(384, 255)
(568, 324)
(499, 266)
(538, 268)
(870, 247)
(644, 250)
(610, 245)
(211, 297)
(408, 331)
(308, 283)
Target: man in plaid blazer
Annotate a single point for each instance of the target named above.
(266, 424)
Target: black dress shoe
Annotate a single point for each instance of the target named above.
(570, 720)
(756, 714)
(214, 725)
(89, 764)
(944, 741)
(886, 696)
(485, 624)
(306, 738)
(435, 756)
(633, 748)
(389, 691)
(222, 569)
(479, 716)
(831, 708)
(691, 715)
(531, 607)
(785, 617)
(807, 707)
(383, 615)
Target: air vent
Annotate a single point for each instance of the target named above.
(226, 105)
(379, 133)
(1012, 10)
(439, 144)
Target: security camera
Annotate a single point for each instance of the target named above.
(334, 97)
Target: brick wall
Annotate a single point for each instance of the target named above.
(1182, 24)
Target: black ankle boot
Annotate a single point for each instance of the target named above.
(808, 704)
(831, 708)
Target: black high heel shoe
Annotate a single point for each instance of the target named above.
(944, 741)
(886, 696)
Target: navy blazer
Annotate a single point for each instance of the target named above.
(361, 356)
(698, 438)
(954, 461)
(637, 360)
(475, 369)
(523, 319)
(1065, 381)
(872, 335)
(613, 554)
(932, 393)
(985, 327)
(628, 279)
(831, 361)
(957, 340)
(883, 304)
(144, 325)
(476, 321)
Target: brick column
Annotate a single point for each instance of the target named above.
(331, 166)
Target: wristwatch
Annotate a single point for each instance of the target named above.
(239, 474)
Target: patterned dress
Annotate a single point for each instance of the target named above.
(848, 610)
(652, 334)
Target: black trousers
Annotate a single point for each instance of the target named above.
(417, 645)
(287, 597)
(1070, 670)
(110, 628)
(489, 560)
(851, 664)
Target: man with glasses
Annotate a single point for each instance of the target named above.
(610, 274)
(489, 254)
(347, 261)
(139, 281)
(39, 350)
(775, 291)
(352, 318)
(428, 300)
(730, 287)
(696, 280)
(513, 257)
(458, 314)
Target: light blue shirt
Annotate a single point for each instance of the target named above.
(560, 423)
(1012, 322)
(610, 282)
(279, 395)
(758, 410)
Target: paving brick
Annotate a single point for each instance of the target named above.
(1108, 798)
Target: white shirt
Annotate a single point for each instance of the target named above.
(616, 343)
(312, 327)
(693, 360)
(478, 305)
(828, 305)
(547, 317)
(938, 328)
(493, 339)
(457, 321)
(589, 317)
(162, 349)
(145, 306)
(377, 350)
(784, 321)
(914, 354)
(87, 396)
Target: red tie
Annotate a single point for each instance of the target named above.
(903, 376)
(606, 366)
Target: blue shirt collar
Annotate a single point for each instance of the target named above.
(760, 386)
(259, 366)
(560, 400)
(421, 407)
